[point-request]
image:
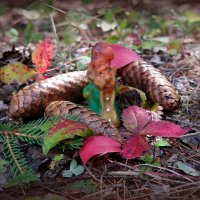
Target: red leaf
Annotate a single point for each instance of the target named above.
(42, 55)
(164, 129)
(136, 118)
(134, 147)
(135, 39)
(63, 129)
(123, 56)
(68, 127)
(95, 145)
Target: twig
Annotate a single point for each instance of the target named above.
(55, 192)
(55, 8)
(183, 190)
(190, 134)
(65, 63)
(169, 170)
(73, 60)
(96, 193)
(91, 174)
(162, 168)
(55, 35)
(185, 122)
(154, 175)
(124, 173)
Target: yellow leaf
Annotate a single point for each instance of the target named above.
(16, 72)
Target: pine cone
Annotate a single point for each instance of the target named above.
(145, 77)
(99, 125)
(30, 102)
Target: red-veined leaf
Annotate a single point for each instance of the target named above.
(16, 72)
(42, 55)
(164, 129)
(64, 129)
(135, 118)
(123, 56)
(134, 147)
(95, 145)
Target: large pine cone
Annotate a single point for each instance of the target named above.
(99, 125)
(145, 77)
(30, 102)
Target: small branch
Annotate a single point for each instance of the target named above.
(169, 170)
(190, 134)
(65, 63)
(162, 168)
(91, 174)
(55, 34)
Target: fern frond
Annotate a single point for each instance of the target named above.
(73, 144)
(30, 133)
(14, 156)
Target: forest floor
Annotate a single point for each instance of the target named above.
(166, 34)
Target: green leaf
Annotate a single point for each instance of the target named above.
(78, 18)
(187, 169)
(78, 170)
(12, 35)
(28, 32)
(147, 158)
(113, 39)
(16, 72)
(106, 26)
(74, 169)
(70, 35)
(86, 186)
(30, 35)
(123, 24)
(73, 164)
(62, 130)
(67, 173)
(58, 157)
(174, 46)
(192, 16)
(36, 37)
(82, 63)
(163, 39)
(150, 44)
(156, 164)
(41, 6)
(161, 143)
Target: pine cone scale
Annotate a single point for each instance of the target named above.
(99, 125)
(31, 101)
